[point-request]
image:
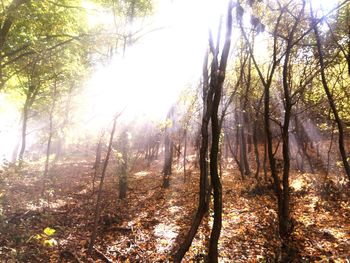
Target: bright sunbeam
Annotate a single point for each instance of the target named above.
(147, 80)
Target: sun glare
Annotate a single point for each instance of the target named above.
(147, 80)
(324, 5)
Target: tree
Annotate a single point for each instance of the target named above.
(203, 177)
(329, 94)
(124, 145)
(168, 148)
(99, 195)
(212, 91)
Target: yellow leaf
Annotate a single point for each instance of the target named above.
(37, 236)
(49, 231)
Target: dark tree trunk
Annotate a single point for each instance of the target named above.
(23, 132)
(211, 98)
(256, 143)
(168, 160)
(217, 78)
(124, 144)
(329, 154)
(256, 150)
(243, 145)
(97, 163)
(284, 213)
(234, 153)
(185, 153)
(244, 116)
(30, 98)
(284, 204)
(203, 179)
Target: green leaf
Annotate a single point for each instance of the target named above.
(49, 231)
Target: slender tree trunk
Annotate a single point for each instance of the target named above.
(243, 145)
(234, 151)
(124, 165)
(256, 150)
(185, 153)
(265, 159)
(216, 83)
(215, 180)
(99, 196)
(49, 141)
(23, 132)
(168, 150)
(329, 153)
(245, 122)
(168, 159)
(97, 163)
(203, 165)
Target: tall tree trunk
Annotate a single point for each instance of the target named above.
(185, 153)
(256, 149)
(203, 167)
(23, 132)
(329, 96)
(168, 152)
(265, 159)
(329, 154)
(49, 140)
(284, 207)
(284, 216)
(217, 78)
(243, 144)
(99, 196)
(97, 163)
(124, 143)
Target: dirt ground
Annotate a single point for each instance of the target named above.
(148, 225)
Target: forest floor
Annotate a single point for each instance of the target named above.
(148, 225)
